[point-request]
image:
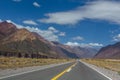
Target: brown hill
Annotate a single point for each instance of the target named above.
(23, 43)
(110, 51)
(6, 29)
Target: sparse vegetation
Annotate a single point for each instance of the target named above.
(13, 62)
(119, 72)
(112, 64)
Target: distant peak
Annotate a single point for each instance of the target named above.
(6, 24)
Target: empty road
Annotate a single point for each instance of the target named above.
(70, 71)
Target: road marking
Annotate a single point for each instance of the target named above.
(69, 70)
(63, 72)
(96, 70)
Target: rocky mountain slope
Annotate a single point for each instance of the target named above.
(80, 52)
(85, 52)
(23, 43)
(6, 29)
(110, 51)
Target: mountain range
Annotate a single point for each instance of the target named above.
(110, 51)
(23, 43)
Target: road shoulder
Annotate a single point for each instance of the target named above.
(19, 71)
(112, 75)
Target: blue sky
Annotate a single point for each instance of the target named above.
(93, 23)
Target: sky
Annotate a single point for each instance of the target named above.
(85, 23)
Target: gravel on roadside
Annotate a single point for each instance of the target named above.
(109, 73)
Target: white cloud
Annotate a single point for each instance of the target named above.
(95, 44)
(36, 4)
(17, 0)
(72, 44)
(62, 34)
(116, 38)
(83, 44)
(78, 38)
(101, 10)
(91, 45)
(30, 22)
(51, 28)
(9, 21)
(47, 34)
(0, 20)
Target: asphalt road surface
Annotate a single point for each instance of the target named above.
(70, 71)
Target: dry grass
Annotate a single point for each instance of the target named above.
(119, 72)
(112, 64)
(13, 62)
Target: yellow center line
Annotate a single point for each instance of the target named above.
(63, 72)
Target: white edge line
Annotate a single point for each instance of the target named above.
(31, 71)
(97, 71)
